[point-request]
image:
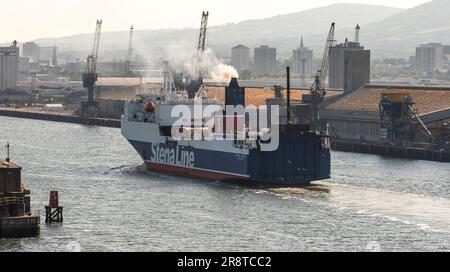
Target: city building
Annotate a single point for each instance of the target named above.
(349, 66)
(76, 67)
(31, 50)
(446, 50)
(302, 60)
(46, 53)
(429, 57)
(412, 62)
(116, 67)
(265, 58)
(240, 58)
(24, 64)
(9, 67)
(37, 53)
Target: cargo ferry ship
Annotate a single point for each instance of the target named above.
(299, 155)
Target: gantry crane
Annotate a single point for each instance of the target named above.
(90, 76)
(318, 91)
(129, 53)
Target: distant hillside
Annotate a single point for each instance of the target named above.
(281, 31)
(302, 23)
(405, 30)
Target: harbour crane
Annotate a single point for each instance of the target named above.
(194, 84)
(202, 43)
(90, 75)
(203, 29)
(129, 53)
(317, 92)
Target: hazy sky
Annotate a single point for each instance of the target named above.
(30, 19)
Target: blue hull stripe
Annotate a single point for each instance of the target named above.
(205, 160)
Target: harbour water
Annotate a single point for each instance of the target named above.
(111, 203)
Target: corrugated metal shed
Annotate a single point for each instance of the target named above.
(367, 99)
(258, 96)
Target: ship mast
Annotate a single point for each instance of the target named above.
(7, 152)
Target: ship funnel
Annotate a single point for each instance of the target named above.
(234, 94)
(234, 83)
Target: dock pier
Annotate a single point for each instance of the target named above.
(90, 121)
(402, 152)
